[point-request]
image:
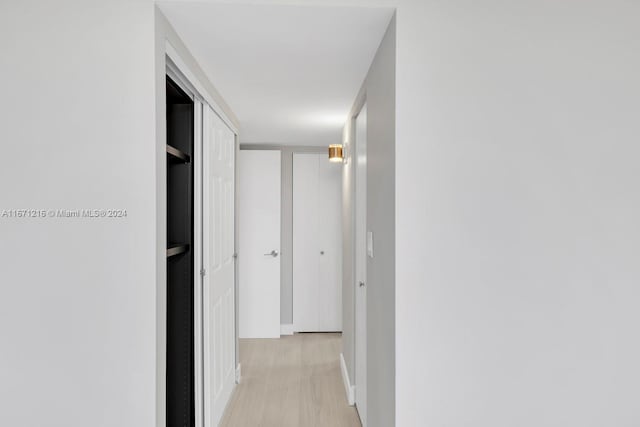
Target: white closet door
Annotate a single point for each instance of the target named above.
(259, 268)
(317, 248)
(219, 263)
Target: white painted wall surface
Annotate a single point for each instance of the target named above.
(81, 299)
(286, 238)
(381, 284)
(516, 203)
(77, 296)
(516, 210)
(518, 198)
(379, 91)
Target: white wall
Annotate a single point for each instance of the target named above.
(379, 91)
(82, 300)
(286, 238)
(518, 198)
(516, 213)
(381, 284)
(77, 296)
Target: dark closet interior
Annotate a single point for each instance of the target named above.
(180, 280)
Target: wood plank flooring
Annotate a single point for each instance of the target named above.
(294, 381)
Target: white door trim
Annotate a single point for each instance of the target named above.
(179, 63)
(198, 345)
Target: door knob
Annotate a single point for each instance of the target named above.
(361, 284)
(321, 252)
(273, 253)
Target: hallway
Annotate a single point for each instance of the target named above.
(293, 381)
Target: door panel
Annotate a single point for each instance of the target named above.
(219, 264)
(361, 264)
(259, 261)
(330, 238)
(317, 248)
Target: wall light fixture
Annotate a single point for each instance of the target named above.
(335, 153)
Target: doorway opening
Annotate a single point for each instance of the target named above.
(180, 280)
(278, 299)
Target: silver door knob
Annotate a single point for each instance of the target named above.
(321, 252)
(273, 253)
(361, 284)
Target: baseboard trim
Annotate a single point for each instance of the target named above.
(238, 373)
(286, 329)
(348, 388)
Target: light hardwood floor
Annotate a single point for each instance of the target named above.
(294, 381)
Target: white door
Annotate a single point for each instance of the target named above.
(219, 265)
(259, 260)
(317, 247)
(361, 264)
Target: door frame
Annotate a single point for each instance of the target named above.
(178, 70)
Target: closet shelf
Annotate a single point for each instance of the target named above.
(177, 155)
(177, 249)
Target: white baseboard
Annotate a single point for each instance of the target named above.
(349, 389)
(286, 329)
(238, 373)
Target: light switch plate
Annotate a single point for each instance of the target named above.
(370, 244)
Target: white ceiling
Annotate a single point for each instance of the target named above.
(289, 73)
